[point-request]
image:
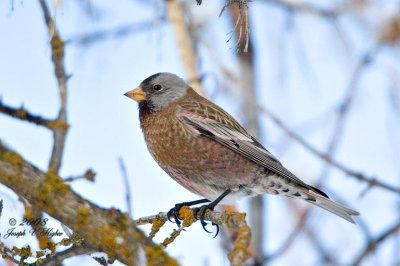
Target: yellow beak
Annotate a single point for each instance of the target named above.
(136, 94)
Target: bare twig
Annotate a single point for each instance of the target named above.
(88, 175)
(128, 197)
(117, 32)
(23, 114)
(327, 258)
(59, 257)
(345, 107)
(301, 7)
(291, 237)
(374, 244)
(371, 181)
(57, 49)
(6, 253)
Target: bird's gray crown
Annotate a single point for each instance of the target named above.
(172, 88)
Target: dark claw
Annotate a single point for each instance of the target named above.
(199, 212)
(204, 224)
(217, 226)
(173, 213)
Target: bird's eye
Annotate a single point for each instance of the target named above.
(157, 87)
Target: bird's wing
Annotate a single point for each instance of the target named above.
(211, 121)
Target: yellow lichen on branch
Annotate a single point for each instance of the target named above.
(156, 256)
(156, 225)
(104, 230)
(240, 253)
(175, 233)
(230, 219)
(187, 216)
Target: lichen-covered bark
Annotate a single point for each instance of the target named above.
(106, 230)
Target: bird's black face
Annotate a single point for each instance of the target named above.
(158, 91)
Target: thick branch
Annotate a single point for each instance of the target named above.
(105, 230)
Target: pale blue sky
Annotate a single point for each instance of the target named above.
(104, 123)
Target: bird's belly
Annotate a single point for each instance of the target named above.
(208, 168)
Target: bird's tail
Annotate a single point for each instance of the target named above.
(321, 200)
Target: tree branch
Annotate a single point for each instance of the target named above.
(57, 50)
(304, 8)
(176, 17)
(23, 114)
(374, 243)
(371, 181)
(231, 219)
(105, 230)
(117, 32)
(59, 257)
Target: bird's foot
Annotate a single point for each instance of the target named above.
(200, 212)
(173, 213)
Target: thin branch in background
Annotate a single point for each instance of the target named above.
(7, 254)
(303, 7)
(303, 61)
(90, 8)
(89, 175)
(125, 177)
(282, 53)
(73, 251)
(23, 114)
(371, 181)
(87, 39)
(345, 107)
(396, 243)
(301, 221)
(317, 244)
(57, 50)
(374, 244)
(326, 257)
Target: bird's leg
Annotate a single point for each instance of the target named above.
(200, 211)
(173, 213)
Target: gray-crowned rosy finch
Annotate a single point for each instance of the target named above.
(208, 152)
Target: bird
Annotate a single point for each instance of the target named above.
(204, 149)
